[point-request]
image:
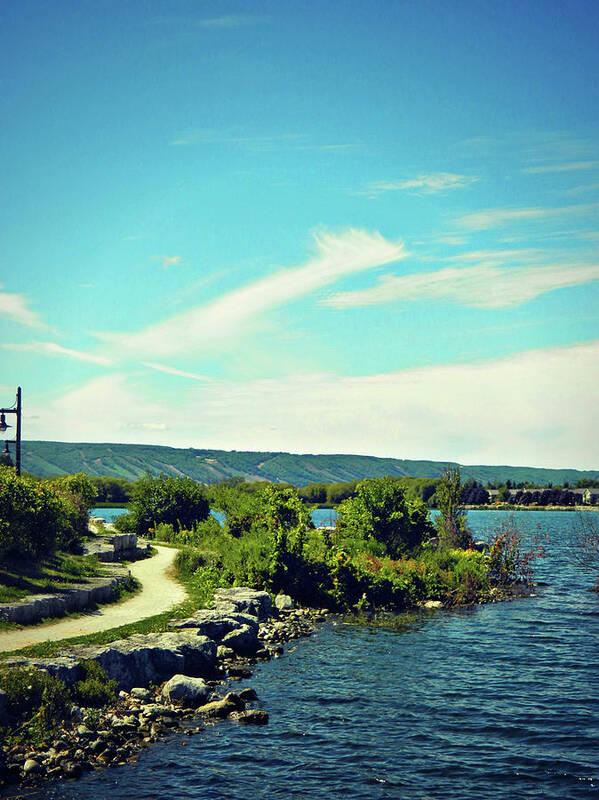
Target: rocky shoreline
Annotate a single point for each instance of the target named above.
(169, 681)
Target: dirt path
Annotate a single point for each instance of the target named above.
(159, 593)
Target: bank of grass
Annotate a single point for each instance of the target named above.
(51, 575)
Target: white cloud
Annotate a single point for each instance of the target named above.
(168, 261)
(432, 183)
(534, 408)
(571, 166)
(229, 21)
(53, 349)
(173, 371)
(336, 255)
(489, 218)
(14, 307)
(481, 286)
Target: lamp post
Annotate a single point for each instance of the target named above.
(4, 425)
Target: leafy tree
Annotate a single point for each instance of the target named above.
(381, 511)
(179, 502)
(32, 517)
(287, 521)
(451, 524)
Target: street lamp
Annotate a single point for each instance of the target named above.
(16, 409)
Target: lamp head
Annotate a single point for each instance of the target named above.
(3, 423)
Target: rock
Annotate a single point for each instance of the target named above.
(243, 640)
(72, 769)
(251, 717)
(217, 709)
(433, 604)
(240, 598)
(185, 690)
(248, 694)
(214, 623)
(31, 767)
(139, 693)
(152, 658)
(284, 602)
(65, 669)
(235, 699)
(223, 652)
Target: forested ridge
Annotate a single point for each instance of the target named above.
(132, 461)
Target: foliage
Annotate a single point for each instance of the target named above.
(95, 689)
(381, 512)
(112, 490)
(36, 700)
(509, 564)
(180, 502)
(584, 544)
(77, 493)
(451, 523)
(33, 518)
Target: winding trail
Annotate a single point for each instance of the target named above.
(159, 593)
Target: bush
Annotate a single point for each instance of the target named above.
(380, 511)
(95, 689)
(180, 502)
(32, 517)
(35, 699)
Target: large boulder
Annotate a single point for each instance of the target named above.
(185, 690)
(152, 658)
(240, 598)
(215, 624)
(243, 640)
(66, 669)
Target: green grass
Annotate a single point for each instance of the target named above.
(58, 572)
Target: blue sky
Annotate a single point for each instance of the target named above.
(361, 227)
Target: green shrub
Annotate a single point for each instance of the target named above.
(36, 701)
(32, 517)
(95, 689)
(180, 502)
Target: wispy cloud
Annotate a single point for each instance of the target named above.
(571, 166)
(336, 255)
(267, 143)
(480, 286)
(432, 183)
(493, 217)
(438, 412)
(168, 261)
(53, 349)
(14, 307)
(230, 21)
(172, 371)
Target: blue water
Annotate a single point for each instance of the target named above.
(320, 516)
(497, 701)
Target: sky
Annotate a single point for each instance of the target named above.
(367, 226)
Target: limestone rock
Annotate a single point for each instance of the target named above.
(217, 708)
(243, 640)
(152, 658)
(251, 717)
(284, 602)
(67, 670)
(185, 690)
(240, 598)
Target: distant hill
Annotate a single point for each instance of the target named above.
(134, 460)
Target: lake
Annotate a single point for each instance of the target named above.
(497, 701)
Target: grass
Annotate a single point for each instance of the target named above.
(58, 572)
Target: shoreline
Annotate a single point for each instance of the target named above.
(116, 734)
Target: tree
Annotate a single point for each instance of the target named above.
(287, 520)
(381, 511)
(451, 523)
(584, 544)
(180, 502)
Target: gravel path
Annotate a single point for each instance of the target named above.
(159, 593)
